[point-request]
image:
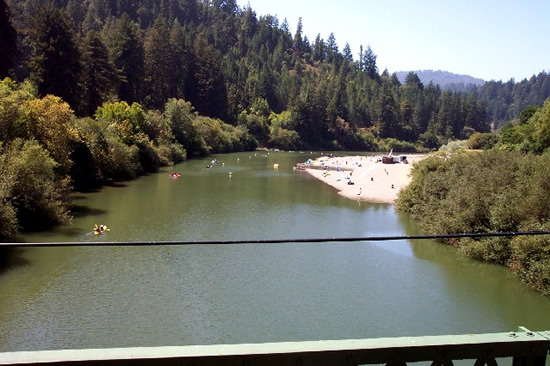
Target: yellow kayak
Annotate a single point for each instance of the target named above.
(100, 229)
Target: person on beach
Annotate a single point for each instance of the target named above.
(360, 189)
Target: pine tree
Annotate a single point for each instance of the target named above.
(332, 48)
(348, 56)
(180, 51)
(205, 86)
(99, 77)
(159, 63)
(387, 113)
(298, 41)
(55, 61)
(369, 63)
(318, 49)
(126, 50)
(8, 40)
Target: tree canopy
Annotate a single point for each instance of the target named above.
(222, 58)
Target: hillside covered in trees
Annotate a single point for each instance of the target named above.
(288, 91)
(506, 100)
(445, 79)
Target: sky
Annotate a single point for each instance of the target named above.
(486, 39)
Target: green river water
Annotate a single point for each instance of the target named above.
(91, 297)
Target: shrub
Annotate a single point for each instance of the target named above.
(531, 258)
(488, 191)
(8, 220)
(397, 145)
(284, 139)
(495, 250)
(454, 146)
(121, 161)
(36, 192)
(170, 153)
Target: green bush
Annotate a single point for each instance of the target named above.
(121, 161)
(284, 139)
(397, 145)
(8, 219)
(38, 196)
(170, 153)
(483, 141)
(531, 259)
(490, 191)
(495, 250)
(454, 146)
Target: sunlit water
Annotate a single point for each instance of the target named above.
(89, 297)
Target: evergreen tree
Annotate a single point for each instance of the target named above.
(360, 65)
(387, 114)
(445, 116)
(8, 40)
(179, 46)
(159, 63)
(298, 41)
(77, 12)
(318, 49)
(205, 86)
(55, 61)
(332, 48)
(348, 56)
(413, 81)
(126, 50)
(99, 77)
(369, 64)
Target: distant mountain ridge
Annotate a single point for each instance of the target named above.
(446, 80)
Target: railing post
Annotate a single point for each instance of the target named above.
(532, 360)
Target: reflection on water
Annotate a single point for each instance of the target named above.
(87, 297)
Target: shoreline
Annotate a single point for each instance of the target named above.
(372, 181)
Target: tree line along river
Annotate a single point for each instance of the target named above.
(90, 297)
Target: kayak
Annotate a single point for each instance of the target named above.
(100, 229)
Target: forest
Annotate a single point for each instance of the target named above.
(505, 101)
(288, 91)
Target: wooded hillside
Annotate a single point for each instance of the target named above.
(289, 91)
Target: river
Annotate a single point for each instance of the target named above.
(91, 297)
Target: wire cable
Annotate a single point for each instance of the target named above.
(273, 241)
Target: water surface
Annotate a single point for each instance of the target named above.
(89, 297)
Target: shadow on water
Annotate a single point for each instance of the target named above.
(489, 286)
(83, 211)
(117, 184)
(11, 258)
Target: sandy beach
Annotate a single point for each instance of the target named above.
(372, 181)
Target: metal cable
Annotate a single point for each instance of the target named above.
(272, 241)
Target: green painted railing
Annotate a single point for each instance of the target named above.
(520, 348)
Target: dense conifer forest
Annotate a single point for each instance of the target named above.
(288, 91)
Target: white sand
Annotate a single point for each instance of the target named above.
(372, 181)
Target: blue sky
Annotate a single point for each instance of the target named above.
(488, 39)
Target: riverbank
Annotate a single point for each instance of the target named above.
(372, 180)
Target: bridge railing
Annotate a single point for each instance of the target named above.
(522, 348)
